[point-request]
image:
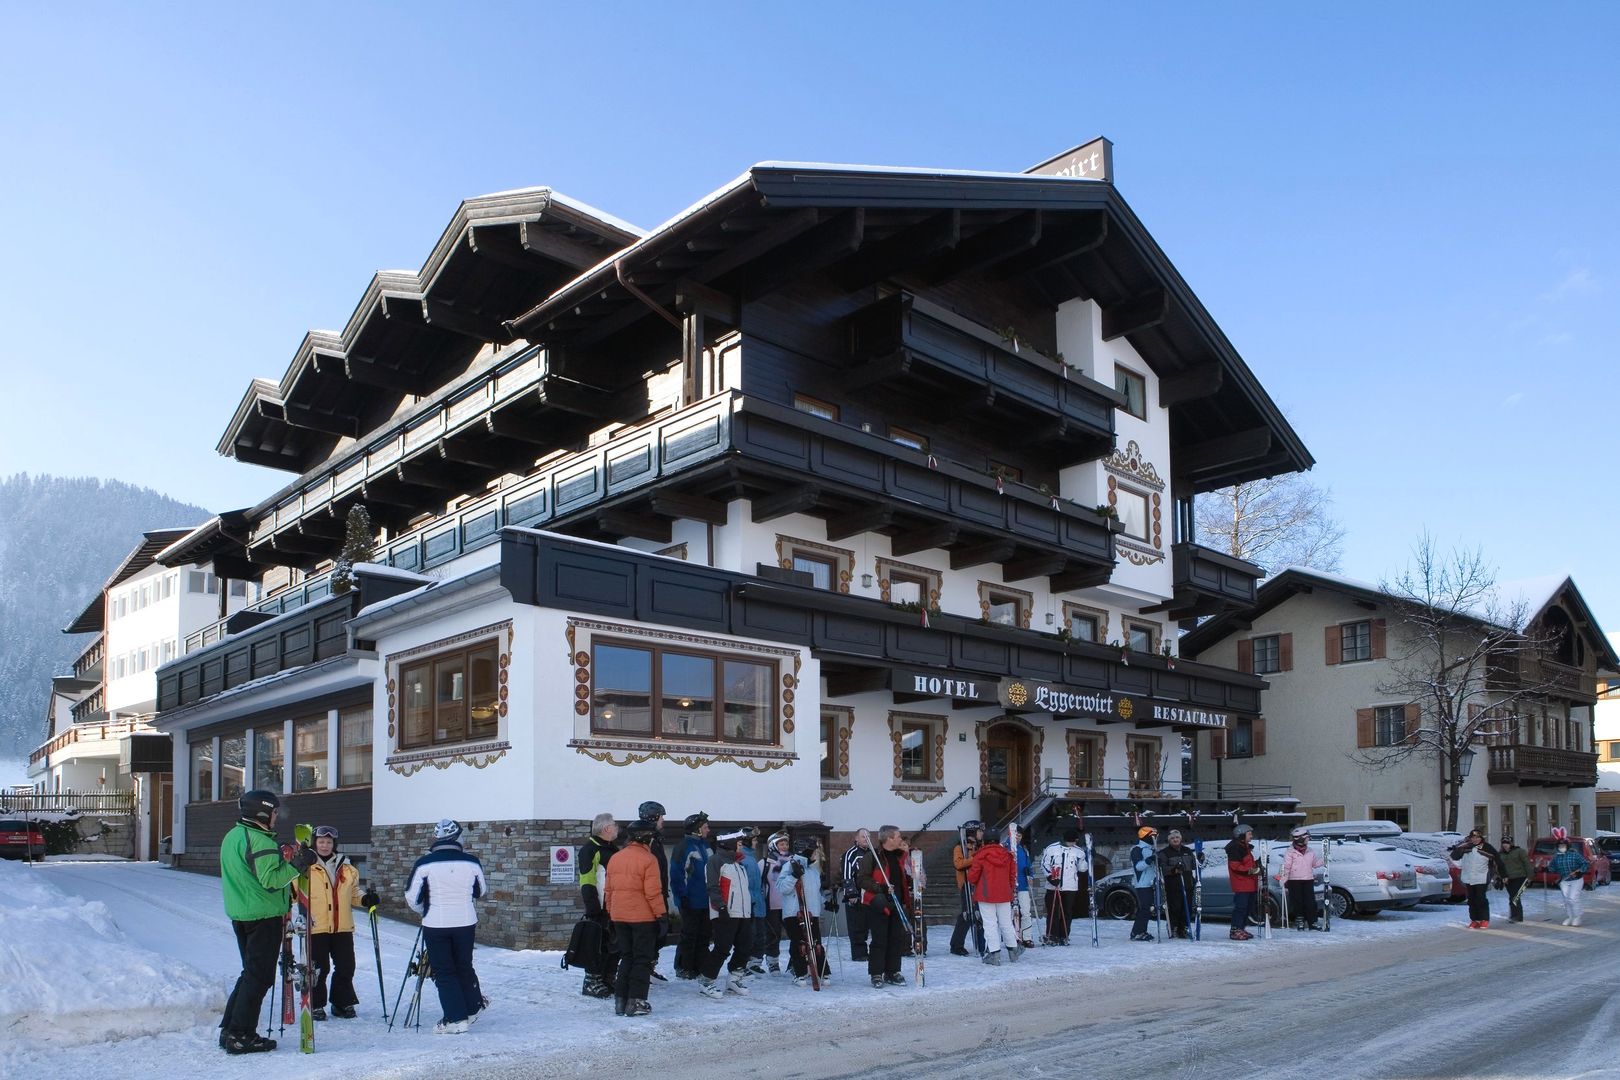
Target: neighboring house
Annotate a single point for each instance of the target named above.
(1608, 747)
(1326, 644)
(140, 619)
(851, 495)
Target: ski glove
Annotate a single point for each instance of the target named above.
(663, 926)
(303, 856)
(370, 901)
(796, 870)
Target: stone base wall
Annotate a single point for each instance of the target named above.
(522, 909)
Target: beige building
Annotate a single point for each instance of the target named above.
(1328, 647)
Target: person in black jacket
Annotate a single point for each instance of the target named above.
(1178, 864)
(855, 912)
(594, 854)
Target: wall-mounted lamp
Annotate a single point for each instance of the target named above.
(866, 581)
(1050, 618)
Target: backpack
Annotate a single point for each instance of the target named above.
(585, 945)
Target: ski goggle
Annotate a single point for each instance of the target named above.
(327, 831)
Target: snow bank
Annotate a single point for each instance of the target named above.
(70, 976)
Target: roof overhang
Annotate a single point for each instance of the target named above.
(92, 620)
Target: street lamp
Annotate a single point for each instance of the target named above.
(1465, 762)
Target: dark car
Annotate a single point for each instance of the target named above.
(21, 839)
(1117, 900)
(1597, 868)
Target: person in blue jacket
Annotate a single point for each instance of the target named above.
(1026, 906)
(755, 946)
(1144, 879)
(688, 883)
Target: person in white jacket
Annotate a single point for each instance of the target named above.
(444, 884)
(1068, 886)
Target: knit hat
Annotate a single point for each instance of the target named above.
(448, 830)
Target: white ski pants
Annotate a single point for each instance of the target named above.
(998, 926)
(1026, 913)
(1570, 889)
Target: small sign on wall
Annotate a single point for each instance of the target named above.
(562, 866)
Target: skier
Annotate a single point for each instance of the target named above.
(634, 897)
(730, 916)
(443, 887)
(1568, 868)
(993, 876)
(962, 858)
(687, 880)
(802, 872)
(769, 933)
(654, 812)
(1026, 906)
(1068, 886)
(1516, 870)
(885, 877)
(333, 884)
(750, 938)
(1179, 865)
(1144, 879)
(1244, 875)
(855, 913)
(1298, 875)
(591, 865)
(1479, 864)
(256, 875)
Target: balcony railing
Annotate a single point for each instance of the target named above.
(1512, 674)
(111, 729)
(85, 709)
(1207, 581)
(89, 660)
(1545, 766)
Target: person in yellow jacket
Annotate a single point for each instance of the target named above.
(333, 887)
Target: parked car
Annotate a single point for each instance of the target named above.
(1117, 900)
(1356, 830)
(1597, 870)
(1608, 843)
(1436, 847)
(1366, 877)
(1437, 878)
(20, 839)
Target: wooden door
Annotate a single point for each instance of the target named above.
(1009, 772)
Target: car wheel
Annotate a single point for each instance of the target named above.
(1119, 904)
(1340, 903)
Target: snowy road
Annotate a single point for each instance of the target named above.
(1406, 994)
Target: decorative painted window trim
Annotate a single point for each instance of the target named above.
(1135, 549)
(674, 551)
(1100, 614)
(1072, 737)
(1037, 743)
(843, 723)
(621, 752)
(478, 755)
(1130, 464)
(451, 753)
(885, 566)
(1026, 601)
(914, 790)
(843, 558)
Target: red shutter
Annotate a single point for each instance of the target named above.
(1364, 728)
(1414, 716)
(1258, 739)
(1246, 656)
(1335, 645)
(1217, 744)
(1379, 649)
(1285, 652)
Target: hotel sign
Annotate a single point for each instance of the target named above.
(1033, 695)
(1090, 161)
(943, 684)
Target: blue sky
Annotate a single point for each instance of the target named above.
(1406, 222)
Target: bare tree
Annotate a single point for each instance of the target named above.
(1276, 522)
(1464, 657)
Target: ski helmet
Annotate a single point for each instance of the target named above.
(448, 830)
(642, 831)
(1146, 831)
(972, 826)
(1240, 830)
(776, 838)
(1301, 833)
(748, 833)
(650, 811)
(729, 841)
(696, 821)
(1071, 836)
(257, 805)
(807, 848)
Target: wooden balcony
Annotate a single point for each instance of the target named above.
(1513, 674)
(1207, 582)
(1541, 766)
(84, 733)
(88, 664)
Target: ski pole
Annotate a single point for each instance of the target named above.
(376, 948)
(405, 978)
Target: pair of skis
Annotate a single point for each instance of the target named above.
(814, 954)
(303, 971)
(970, 910)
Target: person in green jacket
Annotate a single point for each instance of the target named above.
(256, 874)
(1515, 872)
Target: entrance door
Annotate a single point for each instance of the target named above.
(1009, 777)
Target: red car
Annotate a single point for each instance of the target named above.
(21, 839)
(1597, 870)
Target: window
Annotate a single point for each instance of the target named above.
(238, 588)
(202, 771)
(200, 581)
(916, 757)
(1614, 751)
(1083, 627)
(1240, 739)
(1482, 818)
(904, 583)
(1267, 654)
(168, 586)
(1132, 508)
(829, 567)
(823, 571)
(309, 754)
(354, 745)
(1389, 725)
(836, 723)
(119, 608)
(232, 765)
(1532, 828)
(267, 758)
(1142, 756)
(1574, 819)
(1085, 759)
(450, 698)
(660, 692)
(1003, 606)
(1143, 637)
(1400, 815)
(1507, 819)
(815, 407)
(1552, 815)
(1355, 642)
(908, 438)
(1006, 472)
(1134, 387)
(829, 746)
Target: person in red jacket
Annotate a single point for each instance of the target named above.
(993, 873)
(1244, 875)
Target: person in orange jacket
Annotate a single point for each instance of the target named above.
(972, 833)
(993, 873)
(634, 898)
(334, 885)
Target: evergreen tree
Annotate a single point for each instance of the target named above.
(359, 546)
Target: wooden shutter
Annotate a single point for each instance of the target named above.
(1379, 650)
(1414, 716)
(1246, 656)
(1257, 738)
(1285, 652)
(1217, 744)
(1335, 645)
(1365, 736)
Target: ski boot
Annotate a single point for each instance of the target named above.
(775, 966)
(894, 979)
(638, 1007)
(621, 1004)
(595, 987)
(755, 966)
(711, 988)
(992, 958)
(235, 1042)
(877, 982)
(319, 1014)
(345, 1012)
(735, 984)
(1014, 953)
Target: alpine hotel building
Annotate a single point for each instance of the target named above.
(849, 495)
